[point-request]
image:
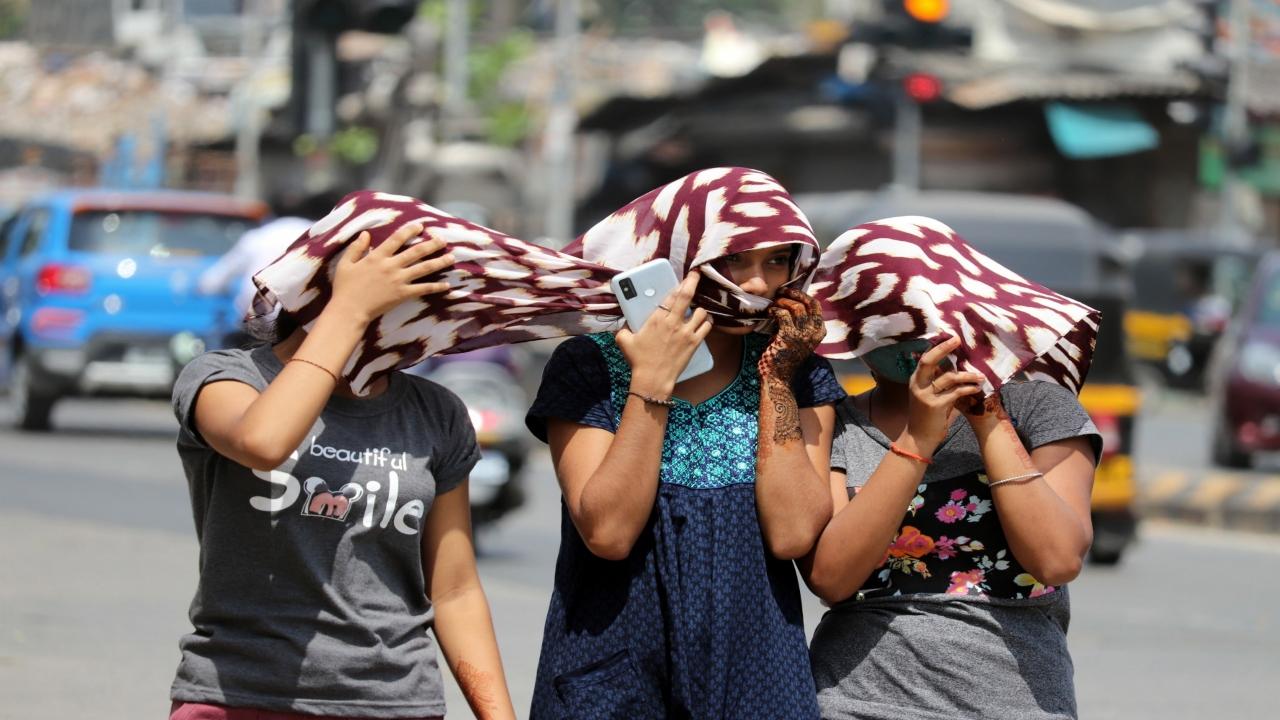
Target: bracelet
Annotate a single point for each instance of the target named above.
(1016, 478)
(893, 447)
(327, 371)
(653, 400)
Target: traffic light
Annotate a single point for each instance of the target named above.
(927, 11)
(316, 26)
(915, 24)
(922, 87)
(376, 16)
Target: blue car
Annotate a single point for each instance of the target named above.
(98, 292)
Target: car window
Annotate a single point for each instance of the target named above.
(155, 233)
(1231, 279)
(1053, 255)
(1269, 308)
(6, 229)
(35, 231)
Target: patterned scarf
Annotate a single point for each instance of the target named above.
(880, 283)
(505, 290)
(914, 278)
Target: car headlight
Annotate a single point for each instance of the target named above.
(1260, 362)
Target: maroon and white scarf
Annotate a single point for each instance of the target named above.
(506, 290)
(880, 283)
(914, 278)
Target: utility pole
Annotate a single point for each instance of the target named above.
(1235, 115)
(907, 125)
(249, 127)
(457, 37)
(562, 119)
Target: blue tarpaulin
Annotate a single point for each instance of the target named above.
(1082, 132)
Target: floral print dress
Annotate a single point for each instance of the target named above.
(950, 541)
(950, 613)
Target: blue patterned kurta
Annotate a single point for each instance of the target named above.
(699, 621)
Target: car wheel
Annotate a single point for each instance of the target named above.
(32, 404)
(1225, 452)
(1105, 556)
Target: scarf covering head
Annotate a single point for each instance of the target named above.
(914, 278)
(505, 290)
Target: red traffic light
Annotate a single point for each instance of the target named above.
(922, 87)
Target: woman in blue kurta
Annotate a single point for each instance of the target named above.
(684, 504)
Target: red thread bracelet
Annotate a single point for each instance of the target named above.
(893, 447)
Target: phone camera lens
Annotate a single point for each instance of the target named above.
(628, 289)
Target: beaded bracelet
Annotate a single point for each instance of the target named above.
(1016, 478)
(653, 400)
(893, 447)
(329, 372)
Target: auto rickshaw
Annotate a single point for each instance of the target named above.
(1057, 245)
(1186, 286)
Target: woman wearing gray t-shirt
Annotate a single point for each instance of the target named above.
(334, 529)
(957, 607)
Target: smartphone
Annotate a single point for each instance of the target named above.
(640, 290)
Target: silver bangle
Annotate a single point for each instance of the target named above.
(1016, 478)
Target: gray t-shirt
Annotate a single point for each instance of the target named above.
(950, 626)
(312, 597)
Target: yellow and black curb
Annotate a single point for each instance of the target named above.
(1218, 498)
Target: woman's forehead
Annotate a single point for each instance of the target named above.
(784, 249)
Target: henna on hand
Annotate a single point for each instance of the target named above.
(786, 412)
(989, 408)
(989, 415)
(477, 687)
(800, 330)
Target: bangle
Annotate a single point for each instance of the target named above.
(893, 447)
(1016, 478)
(653, 400)
(327, 371)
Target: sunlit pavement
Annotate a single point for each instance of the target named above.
(99, 559)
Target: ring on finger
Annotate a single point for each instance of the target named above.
(933, 384)
(664, 307)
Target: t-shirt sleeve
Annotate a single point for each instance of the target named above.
(1044, 412)
(211, 367)
(839, 458)
(816, 384)
(575, 387)
(459, 451)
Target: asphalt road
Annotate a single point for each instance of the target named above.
(99, 558)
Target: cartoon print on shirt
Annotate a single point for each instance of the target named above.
(323, 502)
(320, 501)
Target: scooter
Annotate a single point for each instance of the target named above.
(489, 384)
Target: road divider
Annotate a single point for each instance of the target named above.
(1232, 500)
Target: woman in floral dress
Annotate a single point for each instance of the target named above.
(957, 608)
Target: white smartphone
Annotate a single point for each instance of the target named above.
(640, 290)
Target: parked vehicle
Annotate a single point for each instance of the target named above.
(1187, 285)
(1244, 375)
(1057, 245)
(488, 382)
(97, 292)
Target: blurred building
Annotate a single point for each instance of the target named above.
(1099, 102)
(148, 91)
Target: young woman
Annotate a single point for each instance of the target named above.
(956, 608)
(684, 503)
(334, 529)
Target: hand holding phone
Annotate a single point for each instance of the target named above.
(665, 345)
